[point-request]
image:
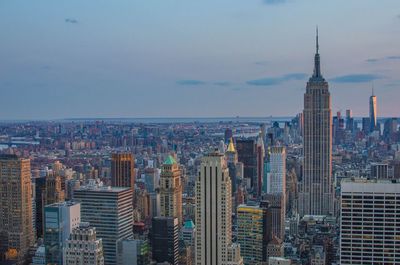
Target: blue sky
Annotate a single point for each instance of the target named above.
(191, 58)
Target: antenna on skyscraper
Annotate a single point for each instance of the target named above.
(317, 45)
(373, 94)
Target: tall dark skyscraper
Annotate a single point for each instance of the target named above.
(165, 237)
(247, 154)
(316, 189)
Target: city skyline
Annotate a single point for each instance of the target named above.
(108, 65)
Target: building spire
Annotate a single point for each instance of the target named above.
(317, 66)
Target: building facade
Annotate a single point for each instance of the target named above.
(165, 240)
(83, 247)
(59, 221)
(122, 170)
(373, 112)
(213, 244)
(316, 187)
(110, 210)
(369, 225)
(250, 223)
(171, 190)
(16, 230)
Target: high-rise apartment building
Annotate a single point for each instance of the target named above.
(109, 209)
(165, 239)
(316, 187)
(122, 170)
(83, 247)
(373, 112)
(213, 214)
(171, 190)
(369, 225)
(16, 231)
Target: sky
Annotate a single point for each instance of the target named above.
(191, 58)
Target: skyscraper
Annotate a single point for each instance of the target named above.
(122, 170)
(247, 154)
(53, 192)
(40, 191)
(276, 192)
(260, 163)
(213, 214)
(369, 228)
(109, 209)
(59, 220)
(316, 187)
(165, 239)
(251, 223)
(372, 112)
(277, 174)
(16, 231)
(83, 247)
(171, 190)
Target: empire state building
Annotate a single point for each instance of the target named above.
(316, 187)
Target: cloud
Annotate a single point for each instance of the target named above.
(398, 16)
(190, 82)
(374, 60)
(396, 57)
(355, 78)
(271, 81)
(222, 83)
(262, 63)
(274, 2)
(71, 20)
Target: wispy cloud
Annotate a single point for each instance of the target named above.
(271, 81)
(396, 57)
(71, 20)
(372, 60)
(262, 63)
(274, 2)
(190, 82)
(355, 78)
(391, 57)
(222, 83)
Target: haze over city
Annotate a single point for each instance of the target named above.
(174, 58)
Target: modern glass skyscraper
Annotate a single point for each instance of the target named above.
(213, 214)
(316, 187)
(16, 230)
(372, 112)
(251, 223)
(59, 221)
